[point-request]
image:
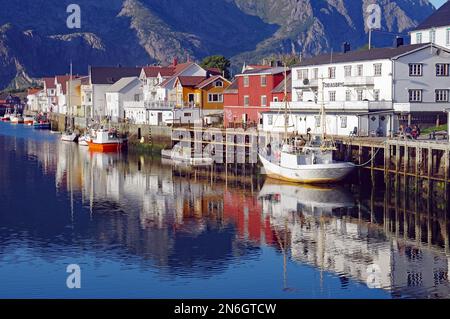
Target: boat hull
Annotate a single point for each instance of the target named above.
(309, 174)
(105, 147)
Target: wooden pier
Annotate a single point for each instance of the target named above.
(421, 159)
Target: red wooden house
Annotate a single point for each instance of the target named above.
(251, 94)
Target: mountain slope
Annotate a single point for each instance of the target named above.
(36, 41)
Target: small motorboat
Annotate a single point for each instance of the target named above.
(28, 120)
(16, 119)
(42, 125)
(184, 154)
(7, 116)
(84, 139)
(69, 137)
(104, 140)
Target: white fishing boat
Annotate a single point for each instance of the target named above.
(84, 139)
(69, 137)
(311, 162)
(185, 155)
(16, 119)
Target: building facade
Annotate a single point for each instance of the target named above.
(369, 92)
(435, 29)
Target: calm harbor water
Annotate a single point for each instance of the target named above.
(141, 228)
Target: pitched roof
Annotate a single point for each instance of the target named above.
(110, 75)
(233, 88)
(33, 91)
(362, 55)
(154, 71)
(49, 83)
(439, 18)
(190, 81)
(178, 70)
(270, 71)
(123, 84)
(210, 80)
(280, 87)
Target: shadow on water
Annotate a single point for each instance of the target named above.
(174, 231)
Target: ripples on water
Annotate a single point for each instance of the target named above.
(142, 228)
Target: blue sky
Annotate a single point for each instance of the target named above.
(438, 3)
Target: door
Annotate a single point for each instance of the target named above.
(191, 98)
(159, 118)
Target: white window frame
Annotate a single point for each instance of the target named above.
(302, 74)
(348, 95)
(415, 69)
(263, 81)
(442, 69)
(419, 37)
(263, 100)
(448, 36)
(433, 36)
(332, 72)
(415, 95)
(332, 96)
(344, 121)
(246, 81)
(378, 69)
(376, 95)
(360, 94)
(246, 100)
(360, 70)
(348, 71)
(441, 95)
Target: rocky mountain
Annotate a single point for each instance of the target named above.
(35, 40)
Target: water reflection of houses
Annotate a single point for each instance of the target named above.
(327, 230)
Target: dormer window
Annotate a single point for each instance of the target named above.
(219, 84)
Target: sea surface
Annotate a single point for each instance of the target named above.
(140, 227)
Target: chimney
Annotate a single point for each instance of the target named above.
(175, 61)
(399, 41)
(346, 47)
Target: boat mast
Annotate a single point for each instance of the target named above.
(70, 94)
(286, 116)
(322, 112)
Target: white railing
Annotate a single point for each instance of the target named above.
(359, 81)
(340, 105)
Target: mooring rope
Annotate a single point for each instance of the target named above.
(373, 157)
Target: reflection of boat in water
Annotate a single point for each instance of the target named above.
(280, 198)
(183, 154)
(83, 140)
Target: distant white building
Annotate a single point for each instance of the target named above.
(126, 89)
(435, 29)
(372, 91)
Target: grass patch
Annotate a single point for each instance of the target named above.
(436, 128)
(154, 149)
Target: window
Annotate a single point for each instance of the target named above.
(263, 80)
(187, 114)
(360, 94)
(377, 69)
(343, 121)
(419, 38)
(219, 84)
(415, 69)
(275, 98)
(315, 74)
(348, 70)
(246, 81)
(270, 119)
(376, 95)
(136, 98)
(348, 95)
(317, 120)
(432, 36)
(442, 95)
(331, 72)
(302, 74)
(359, 70)
(332, 95)
(263, 100)
(246, 100)
(215, 98)
(415, 95)
(448, 36)
(442, 69)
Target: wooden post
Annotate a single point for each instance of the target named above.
(418, 160)
(430, 162)
(406, 168)
(446, 164)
